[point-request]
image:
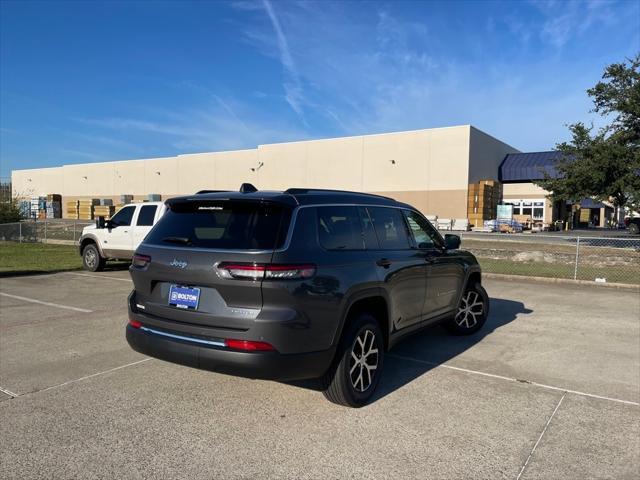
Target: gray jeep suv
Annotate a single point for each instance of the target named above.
(300, 284)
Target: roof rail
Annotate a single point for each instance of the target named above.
(301, 191)
(210, 191)
(247, 188)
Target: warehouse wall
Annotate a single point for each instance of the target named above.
(427, 168)
(485, 155)
(28, 183)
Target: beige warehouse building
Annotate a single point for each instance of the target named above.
(430, 169)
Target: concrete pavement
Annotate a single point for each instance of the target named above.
(549, 389)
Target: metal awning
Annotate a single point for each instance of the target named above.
(525, 167)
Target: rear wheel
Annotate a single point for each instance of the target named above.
(91, 259)
(356, 372)
(472, 311)
(634, 228)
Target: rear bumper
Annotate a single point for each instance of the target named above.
(262, 365)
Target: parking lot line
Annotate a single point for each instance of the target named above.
(8, 392)
(524, 465)
(511, 379)
(99, 276)
(86, 377)
(49, 304)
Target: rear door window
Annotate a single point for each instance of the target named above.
(146, 215)
(390, 228)
(339, 228)
(226, 225)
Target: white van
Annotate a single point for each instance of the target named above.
(118, 237)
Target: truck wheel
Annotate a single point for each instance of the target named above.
(634, 228)
(357, 368)
(472, 312)
(91, 259)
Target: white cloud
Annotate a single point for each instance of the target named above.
(292, 85)
(567, 20)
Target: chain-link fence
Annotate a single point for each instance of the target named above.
(46, 231)
(599, 259)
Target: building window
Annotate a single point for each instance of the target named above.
(533, 208)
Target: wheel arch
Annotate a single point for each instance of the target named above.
(372, 301)
(87, 240)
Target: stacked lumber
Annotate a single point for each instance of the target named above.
(103, 211)
(71, 210)
(482, 201)
(85, 209)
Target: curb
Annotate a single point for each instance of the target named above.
(568, 281)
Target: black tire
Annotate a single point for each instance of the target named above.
(634, 229)
(472, 312)
(346, 381)
(91, 259)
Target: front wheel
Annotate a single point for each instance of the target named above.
(472, 311)
(353, 378)
(91, 259)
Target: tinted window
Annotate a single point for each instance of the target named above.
(423, 232)
(123, 217)
(146, 215)
(390, 228)
(339, 228)
(223, 225)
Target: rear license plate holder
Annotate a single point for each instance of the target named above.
(185, 298)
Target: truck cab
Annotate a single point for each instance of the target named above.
(118, 237)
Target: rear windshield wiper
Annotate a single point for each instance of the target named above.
(182, 240)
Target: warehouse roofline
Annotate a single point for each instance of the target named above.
(327, 139)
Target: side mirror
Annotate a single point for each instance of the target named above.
(451, 242)
(100, 223)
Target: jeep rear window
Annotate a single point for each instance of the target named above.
(223, 225)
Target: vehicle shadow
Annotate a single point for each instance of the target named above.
(426, 350)
(435, 346)
(116, 266)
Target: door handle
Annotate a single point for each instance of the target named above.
(384, 262)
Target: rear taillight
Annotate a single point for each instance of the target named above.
(249, 345)
(259, 271)
(134, 323)
(140, 261)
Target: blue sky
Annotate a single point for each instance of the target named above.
(95, 81)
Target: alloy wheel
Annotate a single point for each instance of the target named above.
(90, 258)
(470, 310)
(364, 360)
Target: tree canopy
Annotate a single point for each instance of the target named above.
(605, 164)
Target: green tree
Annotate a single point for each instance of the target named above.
(9, 211)
(604, 164)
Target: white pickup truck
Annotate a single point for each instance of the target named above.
(118, 237)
